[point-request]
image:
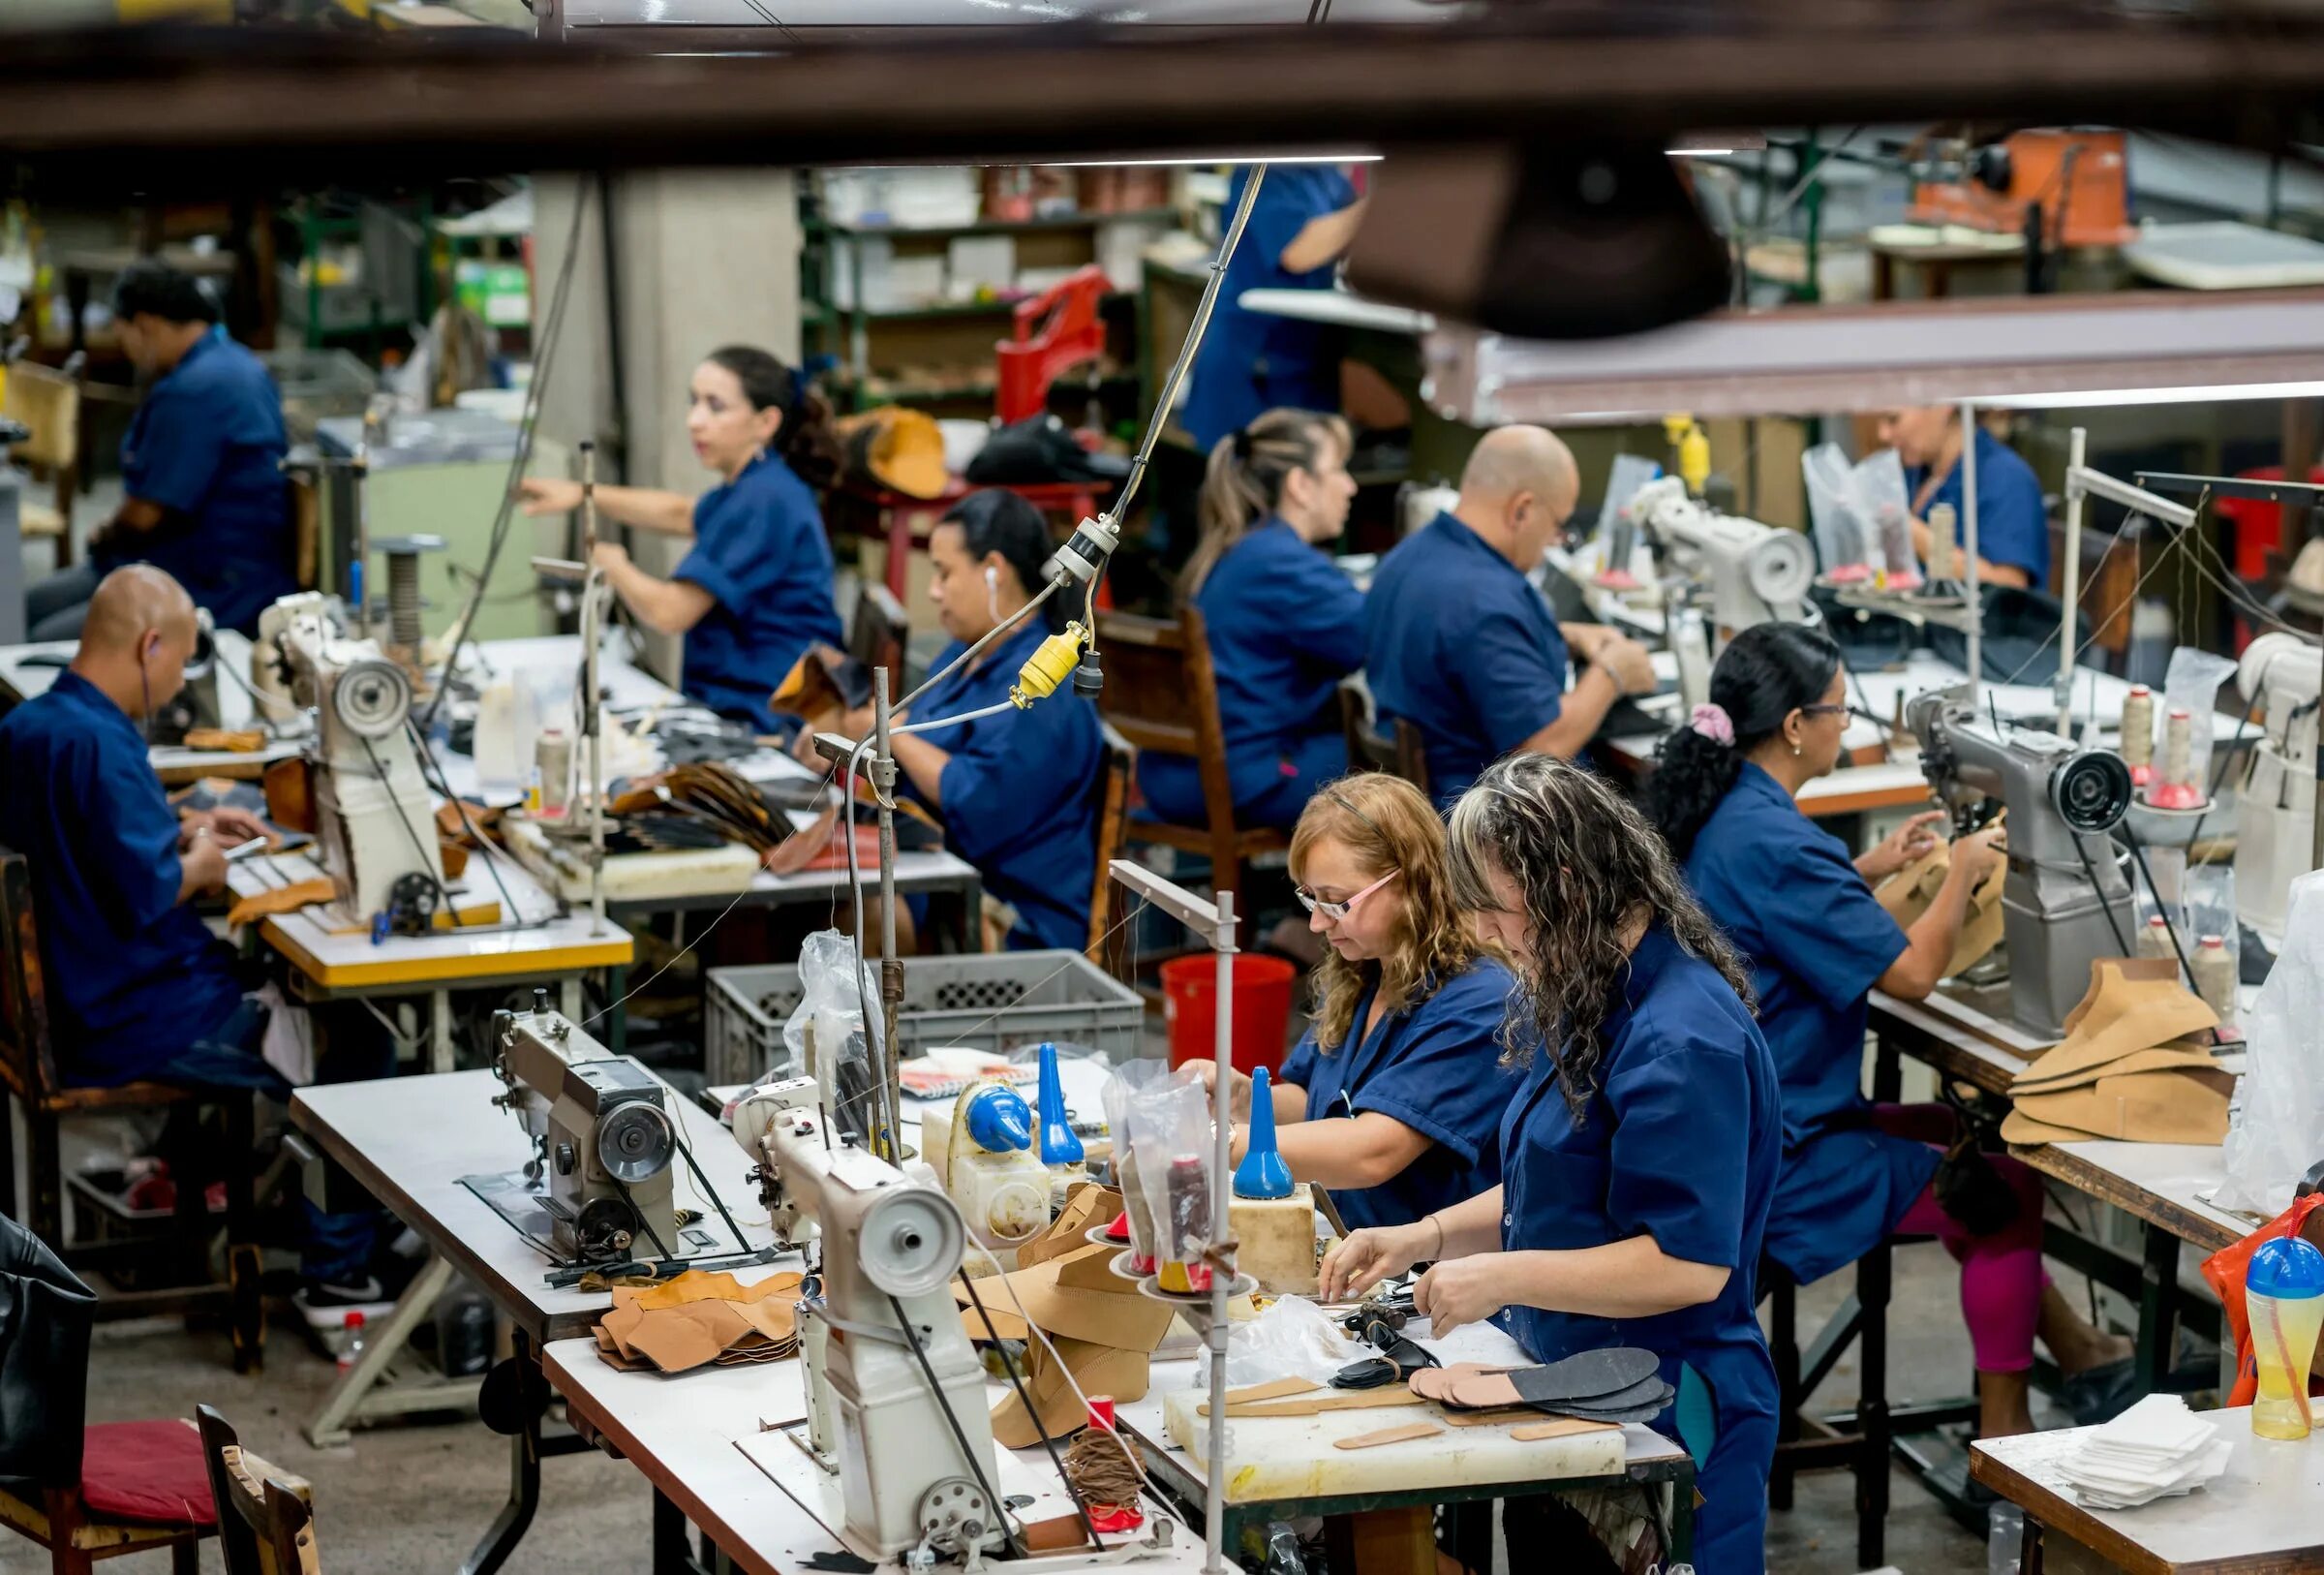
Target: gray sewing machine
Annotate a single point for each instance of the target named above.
(604, 1138)
(881, 1346)
(1755, 572)
(2275, 798)
(2064, 902)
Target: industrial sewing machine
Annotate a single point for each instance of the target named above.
(1755, 572)
(895, 1395)
(604, 1139)
(2276, 802)
(375, 826)
(2064, 901)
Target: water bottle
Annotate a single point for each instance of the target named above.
(2004, 1539)
(2283, 1296)
(463, 1333)
(350, 1340)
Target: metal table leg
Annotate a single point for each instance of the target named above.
(439, 1030)
(358, 1394)
(2157, 1305)
(524, 1480)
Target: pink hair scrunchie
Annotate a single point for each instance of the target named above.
(1713, 722)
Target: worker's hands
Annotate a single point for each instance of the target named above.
(230, 825)
(1458, 1291)
(1627, 661)
(547, 495)
(1980, 853)
(1372, 1254)
(610, 556)
(1239, 1088)
(1900, 847)
(203, 862)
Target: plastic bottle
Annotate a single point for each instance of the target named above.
(2283, 1294)
(2005, 1539)
(1263, 1172)
(350, 1340)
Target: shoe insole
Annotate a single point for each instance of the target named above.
(1435, 1382)
(1578, 1378)
(1647, 1391)
(1636, 1413)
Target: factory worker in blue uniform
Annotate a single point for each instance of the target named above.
(1392, 1100)
(1458, 642)
(1015, 793)
(2013, 524)
(140, 988)
(754, 590)
(204, 499)
(1283, 624)
(1802, 911)
(1638, 1156)
(1305, 217)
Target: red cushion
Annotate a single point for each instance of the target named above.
(147, 1472)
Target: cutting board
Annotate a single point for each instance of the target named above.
(1293, 1457)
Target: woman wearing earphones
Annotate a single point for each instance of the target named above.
(1787, 895)
(1015, 791)
(756, 590)
(1284, 625)
(1392, 1100)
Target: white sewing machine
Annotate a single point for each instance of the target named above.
(894, 1390)
(375, 826)
(2276, 802)
(1756, 574)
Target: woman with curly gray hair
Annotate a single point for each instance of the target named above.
(1640, 1153)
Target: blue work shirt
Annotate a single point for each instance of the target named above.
(1251, 362)
(1788, 897)
(760, 551)
(1680, 1141)
(1018, 792)
(133, 976)
(1436, 1068)
(1458, 642)
(1285, 626)
(2014, 524)
(207, 444)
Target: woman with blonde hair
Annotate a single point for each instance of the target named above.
(1284, 625)
(1391, 1100)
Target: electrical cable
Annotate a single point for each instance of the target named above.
(2169, 927)
(443, 783)
(2090, 873)
(1008, 1365)
(652, 1234)
(686, 1150)
(976, 1468)
(1066, 1372)
(409, 831)
(997, 630)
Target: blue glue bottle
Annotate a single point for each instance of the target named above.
(1263, 1172)
(1061, 1150)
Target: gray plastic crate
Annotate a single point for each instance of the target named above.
(996, 1001)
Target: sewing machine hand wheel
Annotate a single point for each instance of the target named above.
(2091, 791)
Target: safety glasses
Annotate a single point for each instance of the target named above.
(1335, 912)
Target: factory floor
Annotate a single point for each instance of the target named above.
(413, 1497)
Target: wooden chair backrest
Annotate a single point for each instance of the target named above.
(1398, 752)
(49, 402)
(1113, 789)
(879, 632)
(280, 1523)
(237, 1543)
(27, 1059)
(1161, 695)
(306, 527)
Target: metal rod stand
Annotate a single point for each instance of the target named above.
(890, 1141)
(592, 591)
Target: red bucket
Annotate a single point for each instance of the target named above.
(1263, 988)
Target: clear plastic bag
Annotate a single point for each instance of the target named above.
(1131, 1080)
(2276, 1125)
(2183, 737)
(1170, 1143)
(1884, 505)
(1293, 1338)
(1841, 542)
(835, 1053)
(2213, 940)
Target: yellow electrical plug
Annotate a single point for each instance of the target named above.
(1693, 450)
(1047, 668)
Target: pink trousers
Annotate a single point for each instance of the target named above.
(2002, 1277)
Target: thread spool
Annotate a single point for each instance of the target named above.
(554, 758)
(1942, 564)
(2179, 749)
(2154, 941)
(2138, 730)
(2214, 979)
(404, 605)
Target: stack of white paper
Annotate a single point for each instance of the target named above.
(2153, 1450)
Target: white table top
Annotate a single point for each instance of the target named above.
(408, 1140)
(2262, 1513)
(2164, 1183)
(344, 960)
(1341, 308)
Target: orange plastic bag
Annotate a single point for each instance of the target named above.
(2226, 1270)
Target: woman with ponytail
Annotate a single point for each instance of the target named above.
(756, 591)
(1724, 794)
(1285, 626)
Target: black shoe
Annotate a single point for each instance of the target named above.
(325, 1306)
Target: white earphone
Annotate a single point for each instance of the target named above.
(992, 591)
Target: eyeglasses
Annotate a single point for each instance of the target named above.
(1822, 710)
(1335, 912)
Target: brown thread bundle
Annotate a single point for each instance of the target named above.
(1098, 1464)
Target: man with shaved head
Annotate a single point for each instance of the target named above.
(140, 988)
(1458, 641)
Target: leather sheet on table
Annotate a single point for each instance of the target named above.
(1907, 893)
(2125, 1069)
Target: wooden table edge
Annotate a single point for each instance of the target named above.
(580, 957)
(2156, 1210)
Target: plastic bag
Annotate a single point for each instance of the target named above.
(1170, 1143)
(1293, 1338)
(2183, 728)
(1130, 1080)
(835, 1053)
(1885, 506)
(2276, 1123)
(1617, 533)
(2214, 941)
(2226, 1272)
(1840, 536)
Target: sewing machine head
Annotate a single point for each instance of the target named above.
(2066, 902)
(604, 1136)
(1756, 574)
(2276, 795)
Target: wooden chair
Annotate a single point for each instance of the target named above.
(1398, 752)
(1116, 772)
(265, 1519)
(1162, 697)
(49, 402)
(879, 636)
(28, 1069)
(306, 524)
